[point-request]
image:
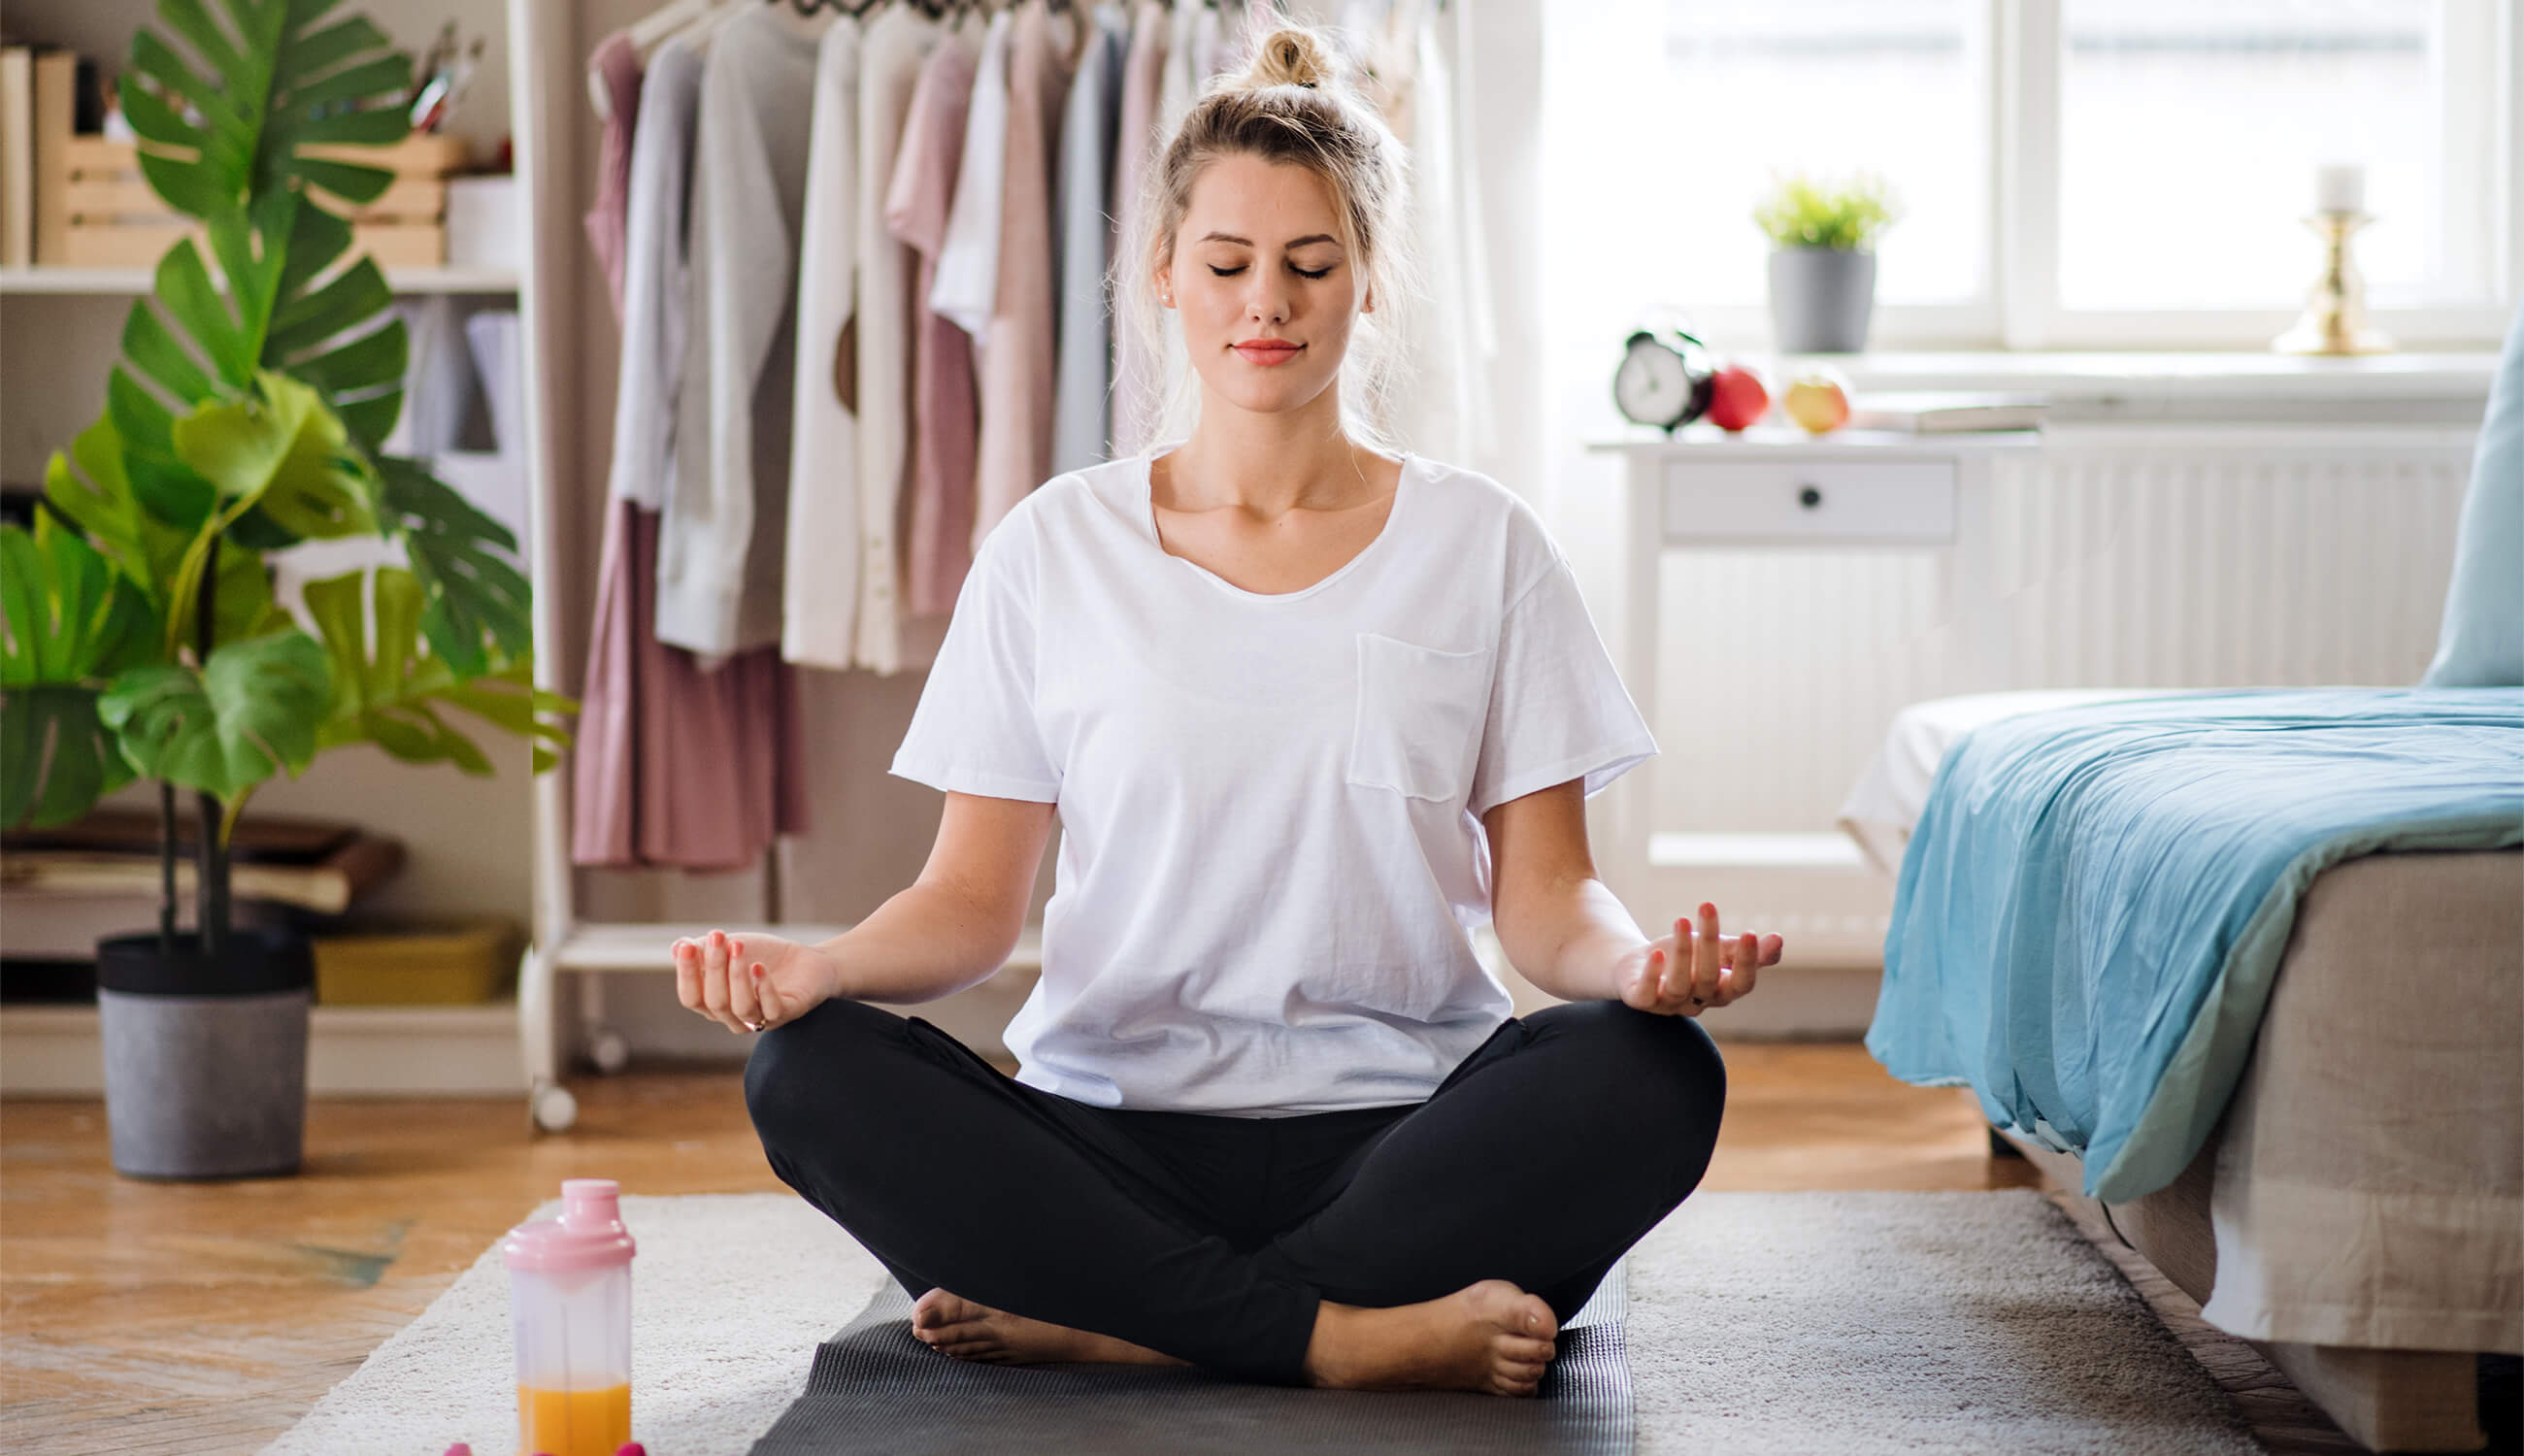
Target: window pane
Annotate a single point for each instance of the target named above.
(1829, 86)
(2190, 133)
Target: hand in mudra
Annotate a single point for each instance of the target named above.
(753, 980)
(1689, 971)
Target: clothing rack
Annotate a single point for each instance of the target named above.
(554, 145)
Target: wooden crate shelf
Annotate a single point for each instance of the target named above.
(116, 219)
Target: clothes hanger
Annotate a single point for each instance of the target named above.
(646, 34)
(843, 7)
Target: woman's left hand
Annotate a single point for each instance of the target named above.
(1689, 971)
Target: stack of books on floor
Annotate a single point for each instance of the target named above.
(62, 890)
(1947, 412)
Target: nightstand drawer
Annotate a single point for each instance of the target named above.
(1898, 501)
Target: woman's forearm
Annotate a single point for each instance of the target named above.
(929, 940)
(1567, 940)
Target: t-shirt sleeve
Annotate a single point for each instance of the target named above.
(1558, 708)
(974, 730)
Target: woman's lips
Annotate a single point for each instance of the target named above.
(1267, 354)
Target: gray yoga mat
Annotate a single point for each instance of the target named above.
(875, 1389)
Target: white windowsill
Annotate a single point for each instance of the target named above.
(2105, 375)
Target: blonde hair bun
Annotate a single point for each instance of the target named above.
(1293, 56)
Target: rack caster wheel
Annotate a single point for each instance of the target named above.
(610, 1051)
(552, 1108)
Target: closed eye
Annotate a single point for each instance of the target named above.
(1230, 272)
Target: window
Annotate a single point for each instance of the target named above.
(1834, 86)
(2072, 173)
(2190, 133)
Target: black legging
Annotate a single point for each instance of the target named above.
(1540, 1159)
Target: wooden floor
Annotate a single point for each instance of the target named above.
(140, 1317)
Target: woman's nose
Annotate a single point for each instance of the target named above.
(1268, 304)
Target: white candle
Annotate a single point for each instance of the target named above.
(2339, 188)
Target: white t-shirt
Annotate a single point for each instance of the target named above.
(1272, 847)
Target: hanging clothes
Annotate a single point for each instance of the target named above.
(1016, 353)
(968, 266)
(1191, 45)
(886, 638)
(823, 526)
(1442, 404)
(1209, 48)
(720, 553)
(1131, 408)
(619, 65)
(1180, 87)
(1082, 202)
(672, 766)
(944, 421)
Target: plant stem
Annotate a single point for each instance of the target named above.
(214, 897)
(212, 906)
(167, 869)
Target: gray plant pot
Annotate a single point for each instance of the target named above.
(1822, 299)
(206, 1065)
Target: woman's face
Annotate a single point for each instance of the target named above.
(1265, 288)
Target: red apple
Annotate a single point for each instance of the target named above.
(1817, 399)
(1736, 398)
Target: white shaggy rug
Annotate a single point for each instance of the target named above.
(1851, 1323)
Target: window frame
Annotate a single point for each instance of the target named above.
(2021, 310)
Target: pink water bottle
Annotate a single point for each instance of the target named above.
(569, 1303)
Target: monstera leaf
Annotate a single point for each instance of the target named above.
(71, 622)
(278, 447)
(255, 708)
(472, 590)
(388, 689)
(224, 136)
(89, 486)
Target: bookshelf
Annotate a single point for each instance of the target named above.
(465, 837)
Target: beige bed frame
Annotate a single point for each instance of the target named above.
(2343, 984)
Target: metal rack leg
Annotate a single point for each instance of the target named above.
(550, 1107)
(605, 1046)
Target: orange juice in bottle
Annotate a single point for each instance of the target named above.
(573, 1422)
(569, 1306)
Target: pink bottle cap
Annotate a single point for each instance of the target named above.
(587, 1234)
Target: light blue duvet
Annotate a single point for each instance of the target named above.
(2091, 909)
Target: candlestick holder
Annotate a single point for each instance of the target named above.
(2334, 320)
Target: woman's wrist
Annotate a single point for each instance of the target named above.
(836, 982)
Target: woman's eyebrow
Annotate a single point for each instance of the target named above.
(1229, 237)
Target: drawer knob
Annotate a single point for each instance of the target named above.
(1809, 497)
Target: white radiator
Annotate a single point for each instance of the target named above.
(2199, 558)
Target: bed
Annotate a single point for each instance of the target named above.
(2246, 969)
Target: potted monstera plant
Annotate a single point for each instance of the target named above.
(247, 412)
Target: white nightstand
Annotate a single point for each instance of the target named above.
(1780, 489)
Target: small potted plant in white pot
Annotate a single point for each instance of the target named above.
(1823, 271)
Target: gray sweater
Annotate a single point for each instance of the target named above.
(720, 546)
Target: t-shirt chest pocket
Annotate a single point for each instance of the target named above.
(1418, 727)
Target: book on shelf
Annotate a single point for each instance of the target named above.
(55, 97)
(1942, 413)
(17, 156)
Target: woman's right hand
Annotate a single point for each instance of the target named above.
(753, 980)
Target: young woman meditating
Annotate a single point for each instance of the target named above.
(1308, 711)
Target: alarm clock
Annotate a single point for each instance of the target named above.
(1665, 380)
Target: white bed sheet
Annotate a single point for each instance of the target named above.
(1889, 797)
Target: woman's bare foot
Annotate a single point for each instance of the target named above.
(956, 1325)
(1487, 1337)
